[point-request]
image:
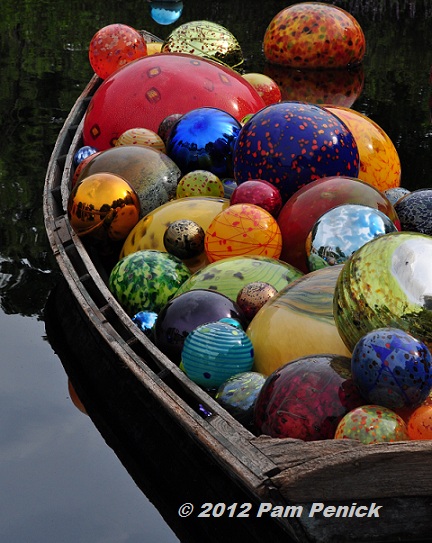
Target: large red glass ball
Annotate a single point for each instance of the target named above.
(114, 46)
(146, 91)
(308, 204)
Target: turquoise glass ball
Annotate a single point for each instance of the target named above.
(214, 352)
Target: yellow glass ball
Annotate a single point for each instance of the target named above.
(103, 206)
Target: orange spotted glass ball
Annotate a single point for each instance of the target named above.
(420, 422)
(314, 35)
(240, 230)
(114, 46)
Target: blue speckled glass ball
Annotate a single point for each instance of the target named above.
(239, 393)
(82, 153)
(291, 144)
(203, 139)
(214, 352)
(392, 368)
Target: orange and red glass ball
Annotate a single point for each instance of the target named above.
(143, 93)
(314, 35)
(113, 46)
(242, 230)
(266, 87)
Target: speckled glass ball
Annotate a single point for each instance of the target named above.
(291, 144)
(372, 424)
(230, 275)
(379, 161)
(215, 351)
(341, 231)
(187, 311)
(141, 136)
(242, 229)
(203, 139)
(184, 239)
(415, 211)
(392, 368)
(387, 282)
(420, 423)
(103, 206)
(205, 39)
(253, 296)
(146, 280)
(260, 193)
(83, 153)
(314, 35)
(307, 398)
(114, 46)
(238, 395)
(200, 183)
(145, 321)
(395, 194)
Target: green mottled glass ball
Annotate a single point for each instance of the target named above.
(147, 280)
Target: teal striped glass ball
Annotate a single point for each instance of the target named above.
(214, 352)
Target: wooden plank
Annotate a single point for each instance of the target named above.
(383, 470)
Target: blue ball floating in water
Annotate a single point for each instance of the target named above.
(392, 368)
(166, 12)
(291, 144)
(214, 352)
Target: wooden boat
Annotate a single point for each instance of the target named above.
(152, 415)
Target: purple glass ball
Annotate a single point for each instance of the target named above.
(187, 311)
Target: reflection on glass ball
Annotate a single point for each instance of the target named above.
(341, 231)
(165, 12)
(103, 206)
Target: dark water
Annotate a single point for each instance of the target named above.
(58, 479)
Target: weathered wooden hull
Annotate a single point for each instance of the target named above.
(135, 395)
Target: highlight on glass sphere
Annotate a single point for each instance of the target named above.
(114, 46)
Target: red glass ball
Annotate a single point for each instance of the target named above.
(146, 91)
(258, 192)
